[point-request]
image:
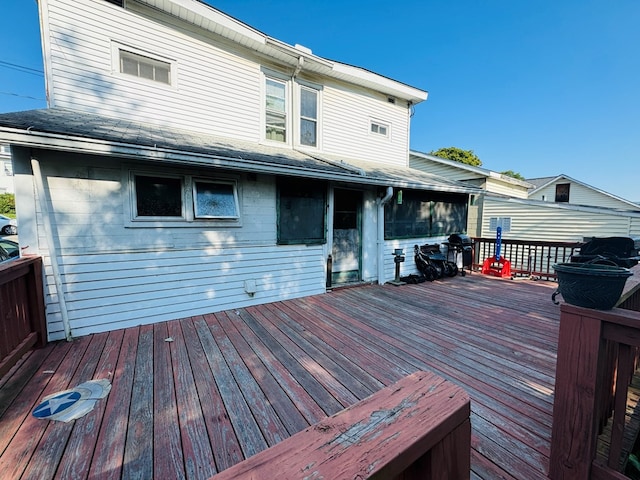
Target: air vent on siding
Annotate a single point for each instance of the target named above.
(119, 3)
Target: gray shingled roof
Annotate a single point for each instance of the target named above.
(79, 126)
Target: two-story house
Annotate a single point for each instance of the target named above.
(189, 163)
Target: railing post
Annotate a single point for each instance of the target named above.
(575, 408)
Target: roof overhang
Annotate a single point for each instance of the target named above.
(60, 130)
(208, 18)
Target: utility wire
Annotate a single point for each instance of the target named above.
(21, 68)
(22, 96)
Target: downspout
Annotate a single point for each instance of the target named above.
(53, 253)
(381, 203)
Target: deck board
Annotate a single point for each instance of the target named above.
(195, 396)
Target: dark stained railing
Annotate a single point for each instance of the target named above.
(597, 360)
(22, 318)
(527, 258)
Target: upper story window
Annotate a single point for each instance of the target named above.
(119, 3)
(379, 128)
(276, 110)
(145, 67)
(308, 117)
(291, 111)
(562, 192)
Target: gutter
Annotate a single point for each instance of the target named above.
(381, 202)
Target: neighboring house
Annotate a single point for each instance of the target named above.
(6, 170)
(555, 209)
(490, 182)
(189, 163)
(564, 189)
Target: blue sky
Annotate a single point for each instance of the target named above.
(542, 88)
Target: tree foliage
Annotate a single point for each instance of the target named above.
(7, 204)
(511, 173)
(458, 155)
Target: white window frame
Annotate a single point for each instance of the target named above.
(287, 107)
(299, 86)
(117, 47)
(293, 97)
(376, 125)
(188, 216)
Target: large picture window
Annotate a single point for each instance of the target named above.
(419, 213)
(301, 211)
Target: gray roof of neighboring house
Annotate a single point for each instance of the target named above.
(539, 182)
(90, 133)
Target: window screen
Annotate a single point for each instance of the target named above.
(424, 214)
(301, 211)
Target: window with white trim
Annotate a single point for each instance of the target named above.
(379, 128)
(308, 116)
(175, 200)
(292, 110)
(145, 67)
(276, 110)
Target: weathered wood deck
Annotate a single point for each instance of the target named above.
(230, 384)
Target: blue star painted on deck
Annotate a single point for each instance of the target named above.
(56, 404)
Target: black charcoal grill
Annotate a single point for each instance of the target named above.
(461, 244)
(621, 251)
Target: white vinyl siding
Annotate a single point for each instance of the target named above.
(217, 90)
(560, 224)
(581, 195)
(115, 277)
(346, 125)
(125, 289)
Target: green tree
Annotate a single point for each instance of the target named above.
(458, 155)
(511, 173)
(7, 204)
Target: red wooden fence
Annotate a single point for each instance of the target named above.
(596, 360)
(417, 428)
(22, 318)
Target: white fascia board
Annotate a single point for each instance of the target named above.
(231, 27)
(378, 82)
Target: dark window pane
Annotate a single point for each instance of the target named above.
(562, 192)
(301, 211)
(425, 214)
(158, 196)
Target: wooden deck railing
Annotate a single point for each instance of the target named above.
(527, 258)
(597, 358)
(414, 429)
(22, 319)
